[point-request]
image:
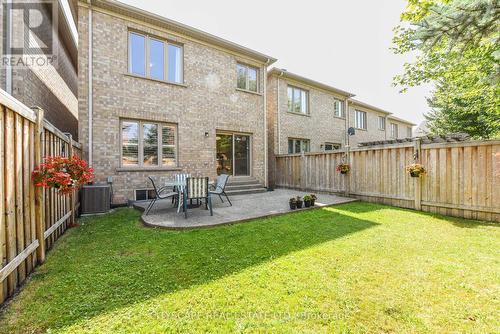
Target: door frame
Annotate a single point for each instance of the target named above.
(250, 149)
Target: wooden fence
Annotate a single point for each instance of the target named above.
(31, 218)
(462, 180)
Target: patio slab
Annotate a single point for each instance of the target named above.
(245, 208)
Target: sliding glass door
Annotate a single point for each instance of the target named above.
(233, 154)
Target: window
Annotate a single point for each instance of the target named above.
(332, 146)
(338, 106)
(381, 123)
(298, 100)
(141, 144)
(154, 58)
(144, 194)
(298, 145)
(394, 130)
(360, 119)
(409, 132)
(247, 77)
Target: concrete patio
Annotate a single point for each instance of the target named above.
(245, 207)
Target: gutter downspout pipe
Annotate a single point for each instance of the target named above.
(266, 161)
(278, 118)
(8, 46)
(90, 74)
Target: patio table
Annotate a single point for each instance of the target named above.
(178, 184)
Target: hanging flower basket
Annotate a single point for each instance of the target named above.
(415, 170)
(64, 174)
(343, 168)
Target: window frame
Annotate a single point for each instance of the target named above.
(342, 111)
(147, 55)
(301, 140)
(140, 144)
(290, 108)
(409, 132)
(382, 120)
(365, 119)
(394, 126)
(333, 144)
(247, 78)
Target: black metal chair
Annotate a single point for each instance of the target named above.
(197, 188)
(219, 188)
(159, 194)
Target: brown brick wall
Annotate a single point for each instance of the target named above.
(209, 102)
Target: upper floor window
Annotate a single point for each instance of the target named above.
(408, 131)
(247, 77)
(381, 123)
(298, 145)
(360, 119)
(394, 130)
(338, 106)
(332, 146)
(298, 100)
(148, 144)
(155, 58)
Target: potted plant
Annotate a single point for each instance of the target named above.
(64, 174)
(293, 203)
(415, 170)
(307, 201)
(343, 168)
(313, 199)
(299, 202)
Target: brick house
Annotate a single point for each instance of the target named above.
(306, 115)
(52, 87)
(198, 107)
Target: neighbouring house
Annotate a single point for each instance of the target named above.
(51, 85)
(161, 98)
(308, 116)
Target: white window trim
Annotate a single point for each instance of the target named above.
(147, 56)
(293, 94)
(247, 83)
(140, 144)
(392, 132)
(333, 144)
(301, 140)
(365, 120)
(342, 108)
(380, 123)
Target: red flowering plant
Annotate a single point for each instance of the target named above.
(343, 168)
(64, 174)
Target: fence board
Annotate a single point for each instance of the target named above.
(463, 178)
(27, 212)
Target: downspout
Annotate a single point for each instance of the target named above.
(278, 113)
(8, 46)
(90, 100)
(266, 162)
(347, 113)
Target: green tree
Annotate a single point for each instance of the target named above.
(457, 47)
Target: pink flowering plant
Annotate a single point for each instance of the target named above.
(64, 174)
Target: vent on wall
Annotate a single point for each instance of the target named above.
(95, 198)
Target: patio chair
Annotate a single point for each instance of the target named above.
(197, 188)
(180, 178)
(159, 194)
(219, 189)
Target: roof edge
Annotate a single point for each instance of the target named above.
(183, 29)
(296, 77)
(369, 106)
(401, 120)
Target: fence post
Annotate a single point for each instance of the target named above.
(347, 177)
(72, 194)
(39, 202)
(303, 171)
(418, 180)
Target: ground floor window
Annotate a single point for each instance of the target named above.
(298, 145)
(148, 144)
(332, 146)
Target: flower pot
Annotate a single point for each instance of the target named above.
(414, 174)
(299, 204)
(293, 205)
(307, 204)
(343, 172)
(312, 202)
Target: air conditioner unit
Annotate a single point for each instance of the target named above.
(95, 198)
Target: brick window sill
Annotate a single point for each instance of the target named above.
(155, 80)
(147, 169)
(248, 91)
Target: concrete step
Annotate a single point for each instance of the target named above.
(241, 182)
(245, 191)
(243, 186)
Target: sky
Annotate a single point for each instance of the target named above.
(342, 43)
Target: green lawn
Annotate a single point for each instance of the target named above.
(351, 268)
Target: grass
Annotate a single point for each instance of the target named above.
(351, 268)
